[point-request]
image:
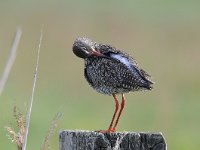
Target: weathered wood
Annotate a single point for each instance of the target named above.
(88, 140)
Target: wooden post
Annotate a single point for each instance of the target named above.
(89, 140)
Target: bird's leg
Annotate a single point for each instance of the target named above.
(110, 129)
(120, 112)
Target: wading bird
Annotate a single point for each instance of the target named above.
(110, 71)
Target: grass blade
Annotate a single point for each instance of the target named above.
(10, 59)
(28, 113)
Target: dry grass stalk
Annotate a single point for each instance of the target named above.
(10, 59)
(17, 137)
(28, 113)
(45, 144)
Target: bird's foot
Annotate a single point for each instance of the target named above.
(106, 131)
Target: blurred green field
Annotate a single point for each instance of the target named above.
(163, 36)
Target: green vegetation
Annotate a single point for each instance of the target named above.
(163, 37)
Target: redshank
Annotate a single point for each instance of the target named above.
(110, 71)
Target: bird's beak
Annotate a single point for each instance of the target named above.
(96, 53)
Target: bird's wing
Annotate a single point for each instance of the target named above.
(131, 63)
(142, 73)
(124, 58)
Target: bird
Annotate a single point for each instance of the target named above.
(111, 71)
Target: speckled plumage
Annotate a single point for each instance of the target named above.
(110, 75)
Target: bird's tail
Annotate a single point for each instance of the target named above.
(147, 78)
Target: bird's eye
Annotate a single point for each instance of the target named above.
(84, 48)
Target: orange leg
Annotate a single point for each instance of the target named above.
(120, 112)
(110, 129)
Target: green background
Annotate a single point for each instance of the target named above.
(163, 36)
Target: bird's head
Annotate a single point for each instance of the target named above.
(84, 48)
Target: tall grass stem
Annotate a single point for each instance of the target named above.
(28, 113)
(10, 59)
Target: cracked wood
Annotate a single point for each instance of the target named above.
(89, 140)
